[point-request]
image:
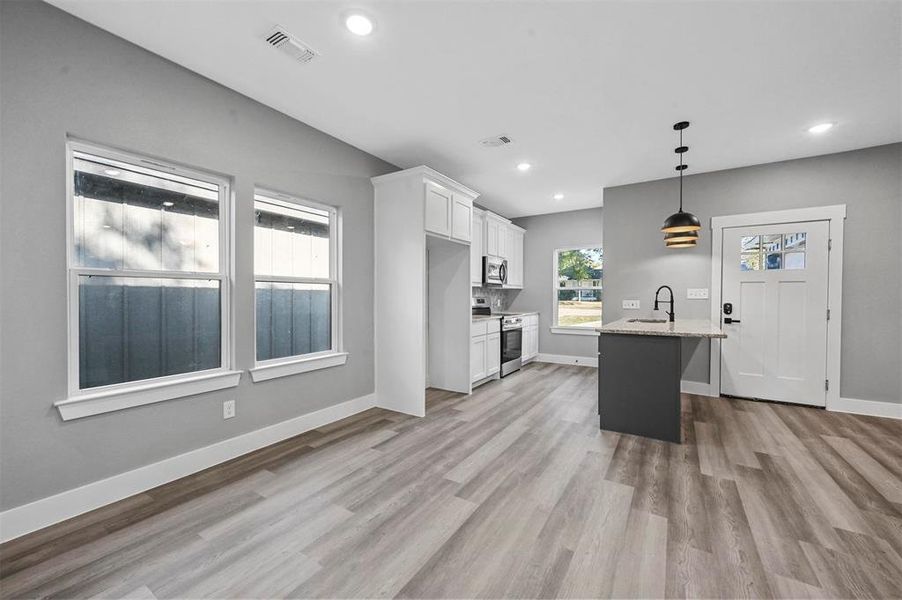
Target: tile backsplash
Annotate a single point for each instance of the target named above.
(499, 299)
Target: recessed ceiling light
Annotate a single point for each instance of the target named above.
(107, 226)
(524, 167)
(559, 196)
(820, 128)
(291, 227)
(112, 172)
(168, 204)
(359, 24)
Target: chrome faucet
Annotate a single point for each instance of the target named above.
(672, 309)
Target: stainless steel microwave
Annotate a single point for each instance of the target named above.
(494, 270)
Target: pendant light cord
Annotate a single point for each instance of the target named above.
(681, 171)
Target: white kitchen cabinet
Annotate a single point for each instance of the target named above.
(493, 354)
(477, 246)
(461, 217)
(514, 255)
(478, 355)
(530, 337)
(495, 234)
(438, 209)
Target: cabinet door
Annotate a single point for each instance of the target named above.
(515, 259)
(493, 354)
(477, 358)
(438, 209)
(491, 236)
(477, 247)
(527, 344)
(533, 341)
(503, 240)
(461, 218)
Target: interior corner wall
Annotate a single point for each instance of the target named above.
(867, 181)
(61, 76)
(544, 235)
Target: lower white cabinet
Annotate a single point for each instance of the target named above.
(530, 337)
(477, 358)
(493, 354)
(485, 349)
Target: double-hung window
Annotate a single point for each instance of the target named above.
(296, 264)
(577, 288)
(148, 281)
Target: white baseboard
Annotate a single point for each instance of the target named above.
(565, 359)
(873, 408)
(24, 519)
(696, 387)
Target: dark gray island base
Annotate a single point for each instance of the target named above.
(639, 372)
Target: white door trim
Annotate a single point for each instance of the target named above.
(836, 215)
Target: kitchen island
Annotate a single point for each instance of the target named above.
(639, 372)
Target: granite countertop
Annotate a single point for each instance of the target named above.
(498, 315)
(485, 317)
(697, 328)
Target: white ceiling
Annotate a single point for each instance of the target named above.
(587, 90)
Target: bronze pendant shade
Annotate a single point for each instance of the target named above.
(681, 227)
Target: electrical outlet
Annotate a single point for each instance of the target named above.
(228, 409)
(697, 293)
(631, 304)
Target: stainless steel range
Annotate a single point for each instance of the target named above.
(511, 344)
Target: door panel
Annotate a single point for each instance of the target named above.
(477, 358)
(493, 353)
(438, 209)
(775, 277)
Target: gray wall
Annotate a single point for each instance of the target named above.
(60, 76)
(868, 182)
(544, 235)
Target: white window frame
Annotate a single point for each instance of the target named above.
(101, 399)
(555, 284)
(334, 356)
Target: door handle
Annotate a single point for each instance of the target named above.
(730, 321)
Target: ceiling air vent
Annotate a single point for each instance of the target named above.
(495, 141)
(290, 45)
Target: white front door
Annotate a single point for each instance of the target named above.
(774, 280)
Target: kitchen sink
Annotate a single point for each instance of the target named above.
(647, 321)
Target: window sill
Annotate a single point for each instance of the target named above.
(99, 402)
(574, 331)
(263, 372)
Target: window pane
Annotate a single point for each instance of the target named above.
(794, 241)
(293, 319)
(774, 261)
(747, 244)
(579, 308)
(750, 261)
(134, 328)
(291, 240)
(580, 268)
(129, 217)
(773, 243)
(794, 260)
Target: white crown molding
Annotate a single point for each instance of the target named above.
(428, 173)
(27, 518)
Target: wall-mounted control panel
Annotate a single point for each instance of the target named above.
(228, 409)
(631, 304)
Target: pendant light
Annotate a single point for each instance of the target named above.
(681, 227)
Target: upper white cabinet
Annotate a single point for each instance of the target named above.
(438, 209)
(495, 233)
(461, 217)
(513, 248)
(477, 246)
(448, 213)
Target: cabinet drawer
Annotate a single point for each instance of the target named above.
(478, 328)
(493, 326)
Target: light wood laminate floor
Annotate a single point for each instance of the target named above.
(510, 492)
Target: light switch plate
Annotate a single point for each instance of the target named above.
(228, 409)
(697, 293)
(631, 304)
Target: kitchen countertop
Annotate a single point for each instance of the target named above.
(693, 328)
(499, 315)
